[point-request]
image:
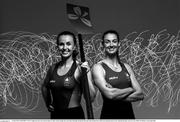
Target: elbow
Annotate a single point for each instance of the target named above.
(141, 96)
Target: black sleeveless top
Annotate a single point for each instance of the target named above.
(62, 87)
(117, 109)
(117, 79)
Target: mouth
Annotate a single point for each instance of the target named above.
(65, 53)
(111, 49)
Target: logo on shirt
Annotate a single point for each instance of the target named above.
(52, 81)
(113, 78)
(69, 82)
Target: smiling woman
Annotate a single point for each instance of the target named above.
(63, 95)
(66, 45)
(111, 44)
(116, 81)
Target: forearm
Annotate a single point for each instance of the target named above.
(135, 96)
(121, 93)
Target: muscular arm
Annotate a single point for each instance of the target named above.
(137, 94)
(98, 74)
(90, 80)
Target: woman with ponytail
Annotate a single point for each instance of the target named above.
(62, 89)
(116, 81)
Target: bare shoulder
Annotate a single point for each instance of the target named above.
(98, 69)
(128, 67)
(97, 65)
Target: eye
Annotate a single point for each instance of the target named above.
(115, 41)
(106, 41)
(61, 44)
(68, 44)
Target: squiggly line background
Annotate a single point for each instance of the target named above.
(25, 58)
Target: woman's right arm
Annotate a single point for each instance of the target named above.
(46, 91)
(98, 75)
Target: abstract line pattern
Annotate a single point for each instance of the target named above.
(25, 58)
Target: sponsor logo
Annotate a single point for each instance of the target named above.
(52, 81)
(67, 82)
(113, 78)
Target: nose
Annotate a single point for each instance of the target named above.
(65, 46)
(111, 44)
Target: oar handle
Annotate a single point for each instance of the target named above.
(84, 81)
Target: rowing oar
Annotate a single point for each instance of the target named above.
(80, 19)
(84, 81)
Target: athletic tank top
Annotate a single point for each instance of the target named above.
(117, 109)
(62, 87)
(117, 79)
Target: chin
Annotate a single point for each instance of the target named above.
(111, 54)
(66, 56)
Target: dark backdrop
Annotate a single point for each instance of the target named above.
(126, 16)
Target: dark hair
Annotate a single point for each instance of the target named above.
(110, 31)
(75, 52)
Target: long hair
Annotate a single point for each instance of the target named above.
(112, 32)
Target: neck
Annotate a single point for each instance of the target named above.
(67, 61)
(112, 60)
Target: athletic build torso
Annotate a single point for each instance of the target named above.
(65, 89)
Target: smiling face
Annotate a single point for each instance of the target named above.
(66, 45)
(111, 43)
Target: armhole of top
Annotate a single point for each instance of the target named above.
(123, 65)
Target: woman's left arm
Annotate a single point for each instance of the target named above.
(92, 89)
(137, 94)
